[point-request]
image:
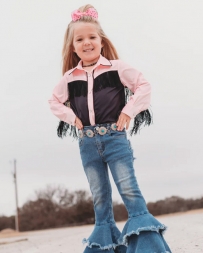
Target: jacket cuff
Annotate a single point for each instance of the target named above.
(128, 109)
(70, 118)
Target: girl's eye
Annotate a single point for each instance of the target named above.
(79, 40)
(92, 37)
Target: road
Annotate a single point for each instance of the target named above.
(184, 235)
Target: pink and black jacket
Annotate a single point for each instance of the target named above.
(100, 96)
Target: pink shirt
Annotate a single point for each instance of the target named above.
(129, 77)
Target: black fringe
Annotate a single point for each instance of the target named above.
(64, 128)
(77, 88)
(143, 118)
(128, 93)
(107, 79)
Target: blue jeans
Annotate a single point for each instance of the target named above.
(142, 233)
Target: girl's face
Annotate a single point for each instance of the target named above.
(86, 42)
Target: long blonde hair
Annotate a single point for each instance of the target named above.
(69, 57)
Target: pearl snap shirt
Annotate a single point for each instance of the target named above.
(88, 99)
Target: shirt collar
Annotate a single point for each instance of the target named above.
(102, 61)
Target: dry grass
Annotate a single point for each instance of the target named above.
(8, 233)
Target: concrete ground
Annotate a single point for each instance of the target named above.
(184, 235)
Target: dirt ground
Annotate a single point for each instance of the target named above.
(184, 235)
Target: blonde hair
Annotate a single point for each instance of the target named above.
(69, 57)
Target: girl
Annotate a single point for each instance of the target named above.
(91, 97)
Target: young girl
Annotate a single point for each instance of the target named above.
(92, 98)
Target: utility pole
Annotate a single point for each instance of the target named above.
(16, 196)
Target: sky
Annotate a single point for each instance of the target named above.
(162, 39)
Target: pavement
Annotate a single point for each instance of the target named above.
(184, 235)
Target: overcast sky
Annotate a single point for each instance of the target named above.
(162, 39)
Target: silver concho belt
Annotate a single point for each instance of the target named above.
(100, 130)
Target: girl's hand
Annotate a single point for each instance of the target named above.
(123, 120)
(78, 123)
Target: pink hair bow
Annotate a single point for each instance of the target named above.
(76, 15)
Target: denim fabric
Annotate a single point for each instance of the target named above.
(140, 244)
(113, 150)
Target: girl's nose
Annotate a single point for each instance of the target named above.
(86, 42)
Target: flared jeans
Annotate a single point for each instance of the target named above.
(142, 233)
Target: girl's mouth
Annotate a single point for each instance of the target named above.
(88, 50)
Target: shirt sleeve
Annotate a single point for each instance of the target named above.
(134, 80)
(57, 100)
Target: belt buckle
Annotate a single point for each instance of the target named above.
(102, 130)
(89, 133)
(114, 126)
